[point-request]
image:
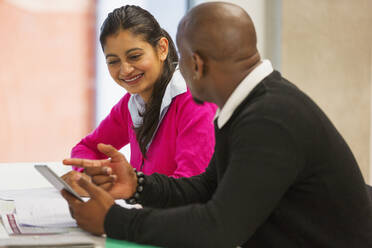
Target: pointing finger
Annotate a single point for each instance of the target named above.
(78, 162)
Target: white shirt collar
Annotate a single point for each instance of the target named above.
(242, 91)
(175, 87)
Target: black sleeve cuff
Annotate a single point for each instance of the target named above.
(148, 191)
(117, 221)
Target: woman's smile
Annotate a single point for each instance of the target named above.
(132, 80)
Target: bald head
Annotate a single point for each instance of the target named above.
(217, 44)
(219, 31)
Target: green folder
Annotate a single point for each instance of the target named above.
(114, 243)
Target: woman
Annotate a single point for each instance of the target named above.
(167, 131)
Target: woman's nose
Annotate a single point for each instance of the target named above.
(126, 69)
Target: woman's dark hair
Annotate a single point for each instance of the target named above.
(141, 22)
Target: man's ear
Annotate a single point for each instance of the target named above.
(163, 48)
(198, 64)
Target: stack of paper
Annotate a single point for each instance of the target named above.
(36, 211)
(38, 218)
(6, 206)
(3, 232)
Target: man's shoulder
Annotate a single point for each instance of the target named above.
(274, 98)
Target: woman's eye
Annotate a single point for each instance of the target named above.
(112, 62)
(134, 57)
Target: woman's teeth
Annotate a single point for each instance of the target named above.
(134, 78)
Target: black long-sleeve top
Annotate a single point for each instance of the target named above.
(281, 176)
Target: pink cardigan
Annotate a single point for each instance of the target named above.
(181, 147)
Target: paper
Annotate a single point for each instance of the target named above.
(35, 193)
(6, 206)
(44, 207)
(40, 207)
(41, 211)
(3, 232)
(13, 227)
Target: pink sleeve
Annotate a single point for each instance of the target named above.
(195, 140)
(112, 130)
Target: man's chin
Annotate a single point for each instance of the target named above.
(197, 101)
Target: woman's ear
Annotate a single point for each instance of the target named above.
(163, 48)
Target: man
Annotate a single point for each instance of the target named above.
(281, 174)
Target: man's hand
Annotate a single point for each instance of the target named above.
(89, 215)
(115, 175)
(68, 178)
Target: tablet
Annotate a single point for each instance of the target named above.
(55, 180)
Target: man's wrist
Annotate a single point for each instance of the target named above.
(136, 197)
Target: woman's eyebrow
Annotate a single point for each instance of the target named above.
(110, 55)
(133, 49)
(127, 52)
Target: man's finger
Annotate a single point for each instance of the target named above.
(83, 163)
(65, 177)
(93, 190)
(71, 211)
(102, 179)
(111, 152)
(72, 200)
(94, 171)
(106, 186)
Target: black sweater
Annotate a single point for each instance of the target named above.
(281, 176)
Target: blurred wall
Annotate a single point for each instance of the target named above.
(46, 77)
(326, 51)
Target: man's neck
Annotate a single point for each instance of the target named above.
(231, 83)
